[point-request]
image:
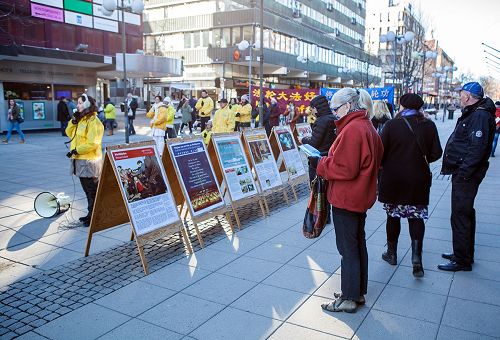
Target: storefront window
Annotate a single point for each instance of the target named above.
(236, 35)
(27, 91)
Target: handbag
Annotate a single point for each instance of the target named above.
(419, 146)
(317, 209)
(20, 119)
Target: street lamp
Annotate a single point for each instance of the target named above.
(108, 8)
(396, 39)
(439, 76)
(447, 69)
(424, 55)
(242, 46)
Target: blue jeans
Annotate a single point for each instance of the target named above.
(17, 126)
(495, 142)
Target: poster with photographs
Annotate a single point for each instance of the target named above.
(197, 176)
(291, 156)
(303, 130)
(145, 188)
(38, 110)
(237, 172)
(263, 160)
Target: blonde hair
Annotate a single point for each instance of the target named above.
(359, 98)
(380, 109)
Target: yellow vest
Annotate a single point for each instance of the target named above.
(86, 137)
(161, 119)
(245, 112)
(110, 111)
(206, 109)
(235, 108)
(223, 120)
(206, 136)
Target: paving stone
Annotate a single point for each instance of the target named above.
(51, 316)
(24, 329)
(37, 323)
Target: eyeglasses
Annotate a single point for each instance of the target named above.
(335, 109)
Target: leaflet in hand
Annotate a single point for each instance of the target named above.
(309, 150)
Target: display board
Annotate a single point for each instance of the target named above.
(302, 130)
(263, 159)
(133, 187)
(289, 151)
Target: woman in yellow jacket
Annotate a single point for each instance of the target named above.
(110, 115)
(86, 131)
(223, 118)
(234, 106)
(171, 133)
(158, 116)
(244, 112)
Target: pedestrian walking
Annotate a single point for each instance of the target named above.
(71, 106)
(323, 131)
(86, 132)
(109, 115)
(274, 118)
(351, 170)
(466, 158)
(158, 116)
(187, 118)
(169, 124)
(131, 108)
(223, 120)
(266, 117)
(497, 129)
(244, 113)
(204, 105)
(381, 115)
(63, 115)
(411, 142)
(15, 120)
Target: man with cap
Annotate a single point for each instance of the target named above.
(466, 159)
(204, 105)
(223, 120)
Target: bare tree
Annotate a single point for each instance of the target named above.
(491, 87)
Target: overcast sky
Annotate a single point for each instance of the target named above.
(461, 26)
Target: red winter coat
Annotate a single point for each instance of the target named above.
(352, 164)
(497, 114)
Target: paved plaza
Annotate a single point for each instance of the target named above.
(264, 281)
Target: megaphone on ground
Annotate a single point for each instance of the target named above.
(49, 205)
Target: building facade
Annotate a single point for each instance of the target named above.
(311, 43)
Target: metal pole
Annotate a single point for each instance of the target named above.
(250, 67)
(442, 93)
(124, 51)
(394, 66)
(423, 75)
(261, 64)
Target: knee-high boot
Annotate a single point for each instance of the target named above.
(416, 258)
(391, 255)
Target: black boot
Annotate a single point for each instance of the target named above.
(416, 258)
(391, 255)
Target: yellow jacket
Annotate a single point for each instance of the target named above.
(170, 116)
(161, 118)
(86, 137)
(110, 111)
(206, 136)
(245, 112)
(235, 108)
(223, 120)
(205, 110)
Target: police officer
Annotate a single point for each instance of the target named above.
(466, 159)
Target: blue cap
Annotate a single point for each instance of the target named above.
(473, 87)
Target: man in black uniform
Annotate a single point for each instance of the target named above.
(466, 159)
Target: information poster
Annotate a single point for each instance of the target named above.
(145, 188)
(303, 130)
(38, 110)
(291, 156)
(239, 177)
(197, 176)
(263, 159)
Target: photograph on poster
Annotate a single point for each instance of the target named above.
(303, 130)
(145, 189)
(38, 110)
(197, 176)
(236, 169)
(263, 159)
(291, 156)
(285, 139)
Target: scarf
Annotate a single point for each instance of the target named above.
(408, 112)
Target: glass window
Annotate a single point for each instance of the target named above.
(216, 38)
(236, 35)
(187, 40)
(226, 37)
(248, 33)
(267, 37)
(205, 39)
(196, 39)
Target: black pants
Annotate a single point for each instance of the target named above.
(393, 229)
(89, 186)
(190, 124)
(64, 125)
(351, 244)
(131, 129)
(170, 133)
(203, 121)
(236, 126)
(463, 216)
(244, 125)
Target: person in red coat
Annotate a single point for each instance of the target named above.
(351, 169)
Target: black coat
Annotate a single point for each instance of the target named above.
(405, 177)
(469, 146)
(323, 134)
(63, 114)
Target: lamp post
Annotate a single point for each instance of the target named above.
(439, 76)
(396, 39)
(447, 69)
(242, 46)
(424, 55)
(108, 8)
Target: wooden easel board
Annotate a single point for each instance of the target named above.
(289, 151)
(302, 130)
(134, 187)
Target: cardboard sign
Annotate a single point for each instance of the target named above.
(196, 176)
(234, 166)
(263, 159)
(289, 151)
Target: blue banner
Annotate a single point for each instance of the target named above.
(377, 93)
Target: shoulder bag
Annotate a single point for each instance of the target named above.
(419, 146)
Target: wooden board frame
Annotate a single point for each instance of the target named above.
(281, 188)
(217, 163)
(280, 160)
(168, 159)
(110, 209)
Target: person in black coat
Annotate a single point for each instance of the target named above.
(63, 115)
(323, 131)
(411, 142)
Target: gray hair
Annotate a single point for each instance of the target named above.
(360, 99)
